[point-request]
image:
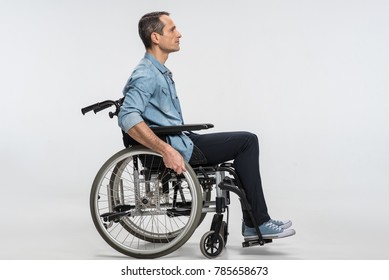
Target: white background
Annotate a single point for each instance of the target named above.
(309, 77)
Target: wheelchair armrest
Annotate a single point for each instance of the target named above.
(178, 129)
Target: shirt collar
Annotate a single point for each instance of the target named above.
(162, 68)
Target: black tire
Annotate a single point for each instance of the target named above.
(210, 247)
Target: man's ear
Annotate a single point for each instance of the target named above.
(155, 38)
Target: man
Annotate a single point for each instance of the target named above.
(151, 99)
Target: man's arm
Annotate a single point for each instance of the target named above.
(145, 136)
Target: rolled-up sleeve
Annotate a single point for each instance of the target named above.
(137, 92)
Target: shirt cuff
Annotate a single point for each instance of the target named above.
(129, 120)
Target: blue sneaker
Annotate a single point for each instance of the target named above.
(282, 224)
(268, 231)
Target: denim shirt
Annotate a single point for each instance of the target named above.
(150, 96)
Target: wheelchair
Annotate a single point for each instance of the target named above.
(144, 210)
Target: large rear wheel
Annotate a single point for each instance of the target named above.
(141, 208)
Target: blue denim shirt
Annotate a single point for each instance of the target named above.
(150, 96)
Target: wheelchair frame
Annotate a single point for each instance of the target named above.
(145, 210)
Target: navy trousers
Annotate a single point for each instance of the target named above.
(243, 149)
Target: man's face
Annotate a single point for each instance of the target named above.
(170, 40)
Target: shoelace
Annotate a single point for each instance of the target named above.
(272, 226)
(277, 221)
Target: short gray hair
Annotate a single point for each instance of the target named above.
(148, 24)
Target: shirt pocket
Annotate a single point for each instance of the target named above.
(164, 100)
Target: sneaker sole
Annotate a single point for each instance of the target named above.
(285, 233)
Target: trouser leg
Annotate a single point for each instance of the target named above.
(243, 148)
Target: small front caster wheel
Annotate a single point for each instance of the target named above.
(211, 245)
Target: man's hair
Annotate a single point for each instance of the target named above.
(148, 24)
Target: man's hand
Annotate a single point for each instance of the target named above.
(144, 135)
(174, 160)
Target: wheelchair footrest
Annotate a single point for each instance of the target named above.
(255, 242)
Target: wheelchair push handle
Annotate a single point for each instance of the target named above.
(100, 106)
